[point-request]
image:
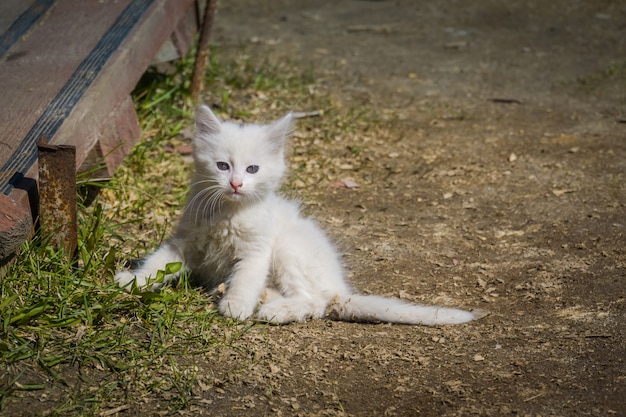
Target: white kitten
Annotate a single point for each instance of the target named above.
(277, 265)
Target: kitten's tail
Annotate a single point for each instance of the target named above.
(372, 308)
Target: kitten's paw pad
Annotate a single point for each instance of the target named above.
(234, 309)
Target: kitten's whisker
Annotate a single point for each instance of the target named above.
(197, 205)
(204, 203)
(199, 202)
(202, 190)
(193, 204)
(209, 203)
(257, 196)
(219, 200)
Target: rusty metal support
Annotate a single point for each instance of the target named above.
(57, 195)
(202, 53)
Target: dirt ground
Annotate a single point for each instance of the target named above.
(498, 182)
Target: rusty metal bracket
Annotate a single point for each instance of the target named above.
(202, 53)
(57, 195)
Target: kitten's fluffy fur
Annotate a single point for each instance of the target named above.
(277, 265)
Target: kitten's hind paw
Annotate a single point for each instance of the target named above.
(283, 310)
(274, 315)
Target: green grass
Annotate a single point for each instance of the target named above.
(66, 327)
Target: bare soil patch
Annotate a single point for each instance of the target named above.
(492, 175)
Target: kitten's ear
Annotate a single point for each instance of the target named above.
(280, 130)
(206, 122)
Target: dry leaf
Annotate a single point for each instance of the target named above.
(560, 192)
(344, 183)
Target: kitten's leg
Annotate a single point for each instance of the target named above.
(245, 286)
(157, 261)
(306, 283)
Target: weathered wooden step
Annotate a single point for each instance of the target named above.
(67, 68)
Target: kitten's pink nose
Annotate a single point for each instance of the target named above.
(235, 185)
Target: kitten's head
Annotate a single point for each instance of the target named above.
(239, 162)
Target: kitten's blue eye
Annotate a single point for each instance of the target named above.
(223, 166)
(252, 169)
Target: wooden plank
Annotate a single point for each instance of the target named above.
(76, 123)
(18, 18)
(116, 140)
(181, 38)
(45, 61)
(10, 11)
(57, 85)
(15, 221)
(183, 35)
(84, 125)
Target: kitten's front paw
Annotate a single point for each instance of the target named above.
(235, 309)
(125, 279)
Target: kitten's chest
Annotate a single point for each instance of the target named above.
(212, 250)
(210, 244)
